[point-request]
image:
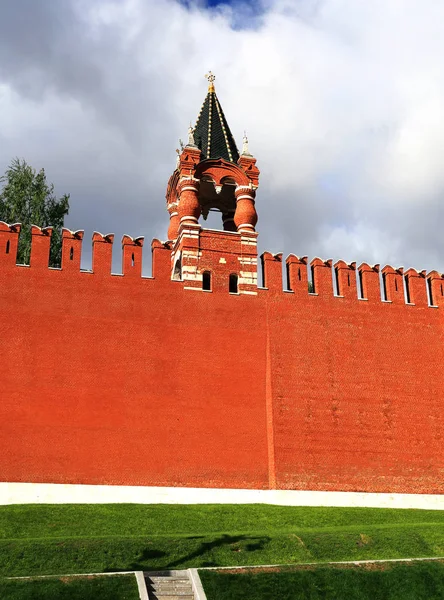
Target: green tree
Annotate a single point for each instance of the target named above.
(27, 198)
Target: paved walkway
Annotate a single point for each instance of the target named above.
(321, 564)
(189, 580)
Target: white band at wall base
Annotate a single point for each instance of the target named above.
(53, 493)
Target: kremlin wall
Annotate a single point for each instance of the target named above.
(203, 375)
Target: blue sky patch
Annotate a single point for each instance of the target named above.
(245, 13)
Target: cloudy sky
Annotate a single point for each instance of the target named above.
(343, 102)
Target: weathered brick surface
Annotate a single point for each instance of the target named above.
(129, 380)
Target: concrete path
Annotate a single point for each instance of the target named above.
(186, 584)
(321, 564)
(154, 585)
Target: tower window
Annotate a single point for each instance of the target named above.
(430, 291)
(361, 286)
(132, 259)
(233, 287)
(7, 247)
(71, 253)
(407, 289)
(287, 271)
(206, 281)
(177, 273)
(384, 287)
(338, 290)
(311, 284)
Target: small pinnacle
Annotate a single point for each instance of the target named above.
(191, 141)
(211, 79)
(245, 150)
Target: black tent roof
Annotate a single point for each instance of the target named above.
(212, 134)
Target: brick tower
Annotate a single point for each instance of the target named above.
(211, 175)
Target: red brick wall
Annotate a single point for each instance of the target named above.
(126, 380)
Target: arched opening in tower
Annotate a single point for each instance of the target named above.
(218, 199)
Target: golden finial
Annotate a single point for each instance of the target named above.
(211, 79)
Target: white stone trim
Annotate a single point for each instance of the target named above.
(189, 232)
(196, 583)
(247, 260)
(191, 277)
(57, 493)
(191, 253)
(248, 278)
(244, 281)
(189, 237)
(189, 218)
(141, 585)
(242, 196)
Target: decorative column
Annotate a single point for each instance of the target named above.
(245, 216)
(228, 221)
(189, 207)
(173, 228)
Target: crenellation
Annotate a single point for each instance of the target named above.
(102, 253)
(370, 288)
(322, 277)
(40, 246)
(272, 271)
(161, 260)
(416, 289)
(345, 275)
(9, 236)
(393, 284)
(186, 262)
(132, 256)
(297, 279)
(435, 284)
(71, 249)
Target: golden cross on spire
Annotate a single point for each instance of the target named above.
(211, 79)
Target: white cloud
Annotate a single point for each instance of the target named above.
(342, 100)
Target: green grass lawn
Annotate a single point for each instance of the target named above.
(120, 587)
(415, 581)
(52, 539)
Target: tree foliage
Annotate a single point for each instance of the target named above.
(27, 198)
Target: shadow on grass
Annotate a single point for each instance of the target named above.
(254, 543)
(149, 557)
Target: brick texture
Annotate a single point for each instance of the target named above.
(120, 379)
